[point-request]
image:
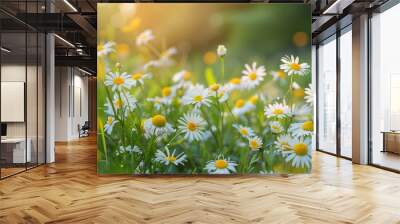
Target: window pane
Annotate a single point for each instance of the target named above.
(346, 94)
(327, 96)
(385, 86)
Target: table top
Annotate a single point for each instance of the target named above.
(13, 140)
(391, 132)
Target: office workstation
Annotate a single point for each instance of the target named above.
(21, 103)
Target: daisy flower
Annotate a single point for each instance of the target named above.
(295, 85)
(302, 129)
(218, 91)
(139, 77)
(223, 95)
(182, 78)
(157, 102)
(309, 95)
(255, 143)
(302, 112)
(118, 81)
(300, 155)
(292, 66)
(168, 93)
(243, 130)
(297, 90)
(105, 49)
(253, 75)
(221, 51)
(158, 126)
(197, 95)
(144, 38)
(170, 158)
(126, 101)
(282, 143)
(276, 127)
(277, 110)
(165, 58)
(129, 149)
(241, 107)
(235, 84)
(254, 100)
(163, 61)
(108, 127)
(192, 125)
(221, 166)
(278, 75)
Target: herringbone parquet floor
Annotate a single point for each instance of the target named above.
(70, 191)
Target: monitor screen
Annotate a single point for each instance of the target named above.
(3, 129)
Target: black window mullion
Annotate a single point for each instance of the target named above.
(338, 100)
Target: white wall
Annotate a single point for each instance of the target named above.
(71, 102)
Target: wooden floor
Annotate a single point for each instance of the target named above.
(70, 191)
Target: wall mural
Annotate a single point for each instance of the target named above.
(204, 88)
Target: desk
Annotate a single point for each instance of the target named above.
(15, 148)
(391, 141)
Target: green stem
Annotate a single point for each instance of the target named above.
(222, 69)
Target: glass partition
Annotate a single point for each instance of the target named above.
(14, 155)
(22, 101)
(327, 95)
(346, 93)
(385, 89)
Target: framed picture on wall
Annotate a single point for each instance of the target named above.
(204, 88)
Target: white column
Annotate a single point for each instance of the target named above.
(360, 90)
(50, 99)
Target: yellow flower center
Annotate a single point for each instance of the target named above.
(277, 111)
(170, 158)
(254, 144)
(235, 81)
(281, 74)
(118, 80)
(123, 49)
(187, 75)
(209, 58)
(254, 99)
(253, 76)
(158, 120)
(100, 47)
(198, 99)
(221, 164)
(109, 120)
(137, 76)
(298, 92)
(244, 131)
(275, 128)
(308, 126)
(239, 103)
(214, 87)
(191, 126)
(166, 91)
(295, 66)
(119, 103)
(300, 149)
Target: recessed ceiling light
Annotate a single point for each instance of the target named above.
(70, 5)
(84, 71)
(64, 40)
(5, 50)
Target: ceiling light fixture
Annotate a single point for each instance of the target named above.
(70, 5)
(84, 71)
(64, 40)
(5, 50)
(337, 7)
